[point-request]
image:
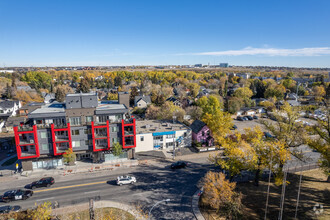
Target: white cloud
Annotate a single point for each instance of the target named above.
(314, 51)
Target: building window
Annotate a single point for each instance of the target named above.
(43, 135)
(185, 134)
(75, 132)
(114, 140)
(75, 121)
(170, 144)
(170, 136)
(160, 138)
(75, 143)
(142, 138)
(44, 146)
(114, 129)
(102, 118)
(89, 118)
(203, 133)
(86, 131)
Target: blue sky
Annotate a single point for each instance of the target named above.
(162, 32)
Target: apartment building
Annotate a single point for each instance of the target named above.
(161, 135)
(89, 127)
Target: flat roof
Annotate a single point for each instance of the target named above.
(155, 126)
(82, 94)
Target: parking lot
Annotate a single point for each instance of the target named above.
(241, 125)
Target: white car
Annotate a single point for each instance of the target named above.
(121, 180)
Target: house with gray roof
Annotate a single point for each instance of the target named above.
(142, 101)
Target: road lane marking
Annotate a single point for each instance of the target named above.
(45, 199)
(72, 186)
(96, 191)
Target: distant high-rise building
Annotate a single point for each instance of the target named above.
(224, 65)
(198, 65)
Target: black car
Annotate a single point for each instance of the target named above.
(255, 117)
(18, 194)
(245, 118)
(178, 165)
(234, 127)
(239, 118)
(249, 117)
(8, 208)
(44, 182)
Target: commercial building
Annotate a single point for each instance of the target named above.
(224, 65)
(161, 135)
(89, 127)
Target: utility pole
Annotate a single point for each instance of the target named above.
(91, 209)
(280, 216)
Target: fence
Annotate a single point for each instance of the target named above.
(303, 167)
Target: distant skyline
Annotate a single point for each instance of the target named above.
(291, 33)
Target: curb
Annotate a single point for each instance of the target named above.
(195, 207)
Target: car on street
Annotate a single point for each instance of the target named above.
(179, 164)
(245, 118)
(44, 182)
(122, 180)
(9, 208)
(249, 117)
(255, 117)
(14, 195)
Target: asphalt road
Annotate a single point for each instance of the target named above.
(154, 183)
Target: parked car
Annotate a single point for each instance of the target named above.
(9, 208)
(245, 118)
(234, 127)
(239, 118)
(18, 194)
(249, 117)
(44, 182)
(268, 135)
(121, 180)
(255, 117)
(178, 165)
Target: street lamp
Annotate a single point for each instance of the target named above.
(165, 200)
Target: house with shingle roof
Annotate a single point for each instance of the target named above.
(201, 133)
(142, 101)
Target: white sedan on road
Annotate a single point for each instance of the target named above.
(121, 180)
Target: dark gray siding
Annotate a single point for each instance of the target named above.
(45, 143)
(82, 138)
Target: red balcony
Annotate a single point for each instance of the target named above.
(27, 143)
(101, 137)
(61, 139)
(129, 133)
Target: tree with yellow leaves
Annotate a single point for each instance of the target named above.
(41, 212)
(322, 142)
(219, 194)
(267, 153)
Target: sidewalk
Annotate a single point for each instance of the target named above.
(195, 207)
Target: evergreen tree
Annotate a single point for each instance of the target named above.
(60, 95)
(84, 86)
(225, 93)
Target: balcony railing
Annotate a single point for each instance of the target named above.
(61, 138)
(128, 133)
(26, 141)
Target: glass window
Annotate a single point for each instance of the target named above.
(89, 118)
(44, 146)
(114, 129)
(185, 134)
(75, 132)
(142, 138)
(75, 121)
(86, 131)
(170, 136)
(75, 143)
(43, 135)
(114, 140)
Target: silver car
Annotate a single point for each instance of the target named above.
(121, 180)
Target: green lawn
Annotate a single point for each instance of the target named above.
(9, 162)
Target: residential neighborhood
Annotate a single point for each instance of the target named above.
(164, 110)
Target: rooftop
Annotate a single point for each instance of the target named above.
(82, 94)
(50, 108)
(151, 126)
